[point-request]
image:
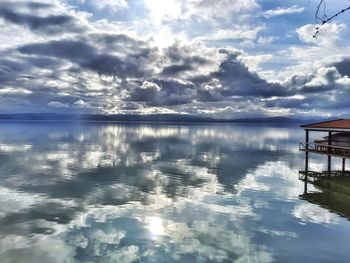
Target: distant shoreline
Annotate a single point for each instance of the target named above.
(149, 119)
(146, 122)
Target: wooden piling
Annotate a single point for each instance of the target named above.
(306, 160)
(329, 154)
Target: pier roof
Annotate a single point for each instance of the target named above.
(333, 125)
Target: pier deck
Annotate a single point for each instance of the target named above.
(325, 149)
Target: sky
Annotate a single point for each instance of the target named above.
(221, 59)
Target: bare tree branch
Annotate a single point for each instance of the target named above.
(323, 19)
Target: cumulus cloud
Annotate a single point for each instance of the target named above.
(325, 91)
(329, 34)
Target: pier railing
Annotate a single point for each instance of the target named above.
(322, 148)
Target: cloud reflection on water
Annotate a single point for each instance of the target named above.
(125, 193)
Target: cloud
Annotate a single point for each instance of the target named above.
(343, 67)
(57, 104)
(236, 33)
(14, 91)
(30, 17)
(324, 91)
(80, 103)
(283, 11)
(9, 68)
(237, 80)
(231, 78)
(307, 212)
(114, 5)
(80, 55)
(327, 36)
(88, 56)
(324, 78)
(163, 92)
(176, 75)
(206, 9)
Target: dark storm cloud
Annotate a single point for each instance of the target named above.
(37, 5)
(31, 5)
(111, 65)
(343, 67)
(34, 22)
(176, 69)
(48, 24)
(238, 80)
(118, 41)
(182, 60)
(85, 55)
(9, 69)
(287, 103)
(159, 92)
(233, 78)
(315, 89)
(42, 62)
(67, 49)
(321, 101)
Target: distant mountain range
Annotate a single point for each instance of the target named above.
(143, 118)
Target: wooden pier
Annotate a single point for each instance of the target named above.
(335, 145)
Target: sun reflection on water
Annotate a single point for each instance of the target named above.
(155, 226)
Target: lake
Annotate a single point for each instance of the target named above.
(160, 193)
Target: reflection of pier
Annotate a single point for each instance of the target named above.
(334, 202)
(335, 195)
(336, 144)
(312, 176)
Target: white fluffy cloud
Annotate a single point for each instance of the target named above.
(327, 36)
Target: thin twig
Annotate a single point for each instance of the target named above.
(324, 21)
(319, 19)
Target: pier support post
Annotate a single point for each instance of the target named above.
(306, 160)
(329, 154)
(343, 167)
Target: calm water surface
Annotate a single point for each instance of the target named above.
(160, 193)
